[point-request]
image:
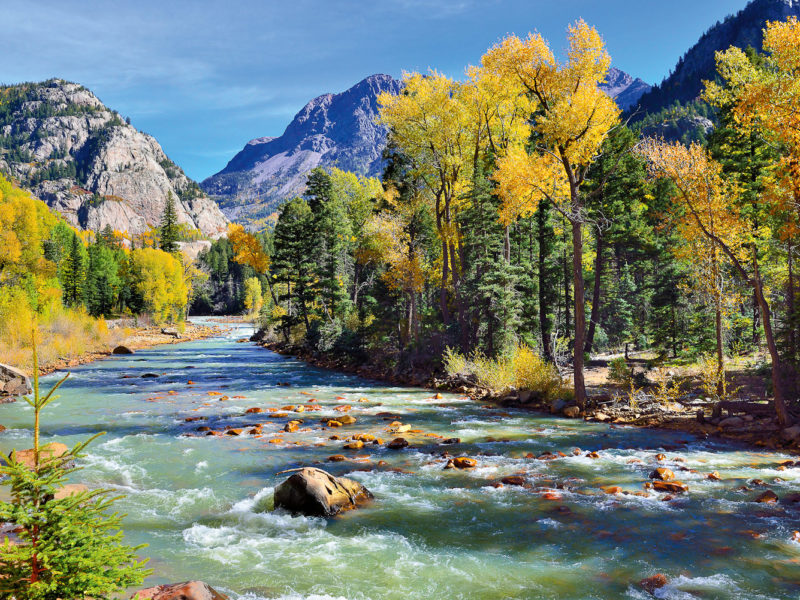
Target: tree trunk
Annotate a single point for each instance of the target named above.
(598, 271)
(443, 289)
(580, 313)
(544, 328)
(779, 380)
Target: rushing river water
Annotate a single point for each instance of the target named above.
(203, 504)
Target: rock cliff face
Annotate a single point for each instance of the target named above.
(623, 88)
(743, 29)
(81, 158)
(333, 130)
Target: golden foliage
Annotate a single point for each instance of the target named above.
(159, 278)
(247, 249)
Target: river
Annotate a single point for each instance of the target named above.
(203, 503)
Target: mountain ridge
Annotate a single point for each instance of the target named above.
(81, 158)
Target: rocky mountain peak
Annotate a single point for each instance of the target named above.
(60, 141)
(623, 88)
(332, 130)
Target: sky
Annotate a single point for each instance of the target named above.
(204, 77)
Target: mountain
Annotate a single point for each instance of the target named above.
(60, 142)
(333, 130)
(623, 88)
(743, 29)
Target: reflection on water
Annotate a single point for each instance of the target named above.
(203, 503)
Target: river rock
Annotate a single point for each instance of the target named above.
(673, 487)
(731, 422)
(397, 444)
(464, 462)
(663, 474)
(557, 405)
(654, 582)
(13, 382)
(791, 433)
(122, 350)
(572, 412)
(190, 590)
(317, 493)
(346, 420)
(48, 451)
(768, 497)
(69, 490)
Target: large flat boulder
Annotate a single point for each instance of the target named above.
(317, 493)
(46, 452)
(13, 382)
(189, 590)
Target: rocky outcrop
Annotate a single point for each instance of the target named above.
(190, 590)
(94, 168)
(317, 493)
(333, 130)
(46, 452)
(743, 29)
(13, 382)
(623, 88)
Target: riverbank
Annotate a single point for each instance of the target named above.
(135, 339)
(746, 422)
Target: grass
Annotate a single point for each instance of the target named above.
(63, 335)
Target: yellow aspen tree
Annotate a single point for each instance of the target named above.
(431, 124)
(571, 118)
(709, 204)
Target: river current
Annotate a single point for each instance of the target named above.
(204, 503)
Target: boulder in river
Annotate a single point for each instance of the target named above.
(663, 474)
(673, 487)
(13, 382)
(317, 493)
(397, 444)
(189, 590)
(122, 350)
(654, 582)
(572, 412)
(768, 497)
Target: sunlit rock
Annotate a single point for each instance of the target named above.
(317, 493)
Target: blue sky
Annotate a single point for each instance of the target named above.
(204, 77)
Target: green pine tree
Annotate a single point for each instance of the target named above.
(73, 271)
(168, 232)
(70, 547)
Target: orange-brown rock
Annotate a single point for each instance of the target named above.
(254, 410)
(713, 476)
(513, 480)
(612, 489)
(661, 457)
(46, 452)
(654, 582)
(768, 497)
(336, 458)
(663, 474)
(291, 426)
(346, 419)
(464, 462)
(234, 431)
(355, 445)
(343, 408)
(190, 590)
(333, 423)
(592, 455)
(673, 487)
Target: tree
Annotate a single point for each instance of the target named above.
(571, 119)
(71, 544)
(74, 273)
(158, 278)
(293, 265)
(709, 203)
(102, 280)
(169, 233)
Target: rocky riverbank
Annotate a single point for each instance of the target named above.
(748, 422)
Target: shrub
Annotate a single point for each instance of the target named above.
(619, 372)
(521, 368)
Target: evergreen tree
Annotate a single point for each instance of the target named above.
(74, 273)
(71, 546)
(168, 232)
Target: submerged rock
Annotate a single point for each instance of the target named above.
(768, 497)
(397, 444)
(654, 582)
(673, 487)
(317, 493)
(189, 590)
(572, 412)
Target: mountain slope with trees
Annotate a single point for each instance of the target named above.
(89, 164)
